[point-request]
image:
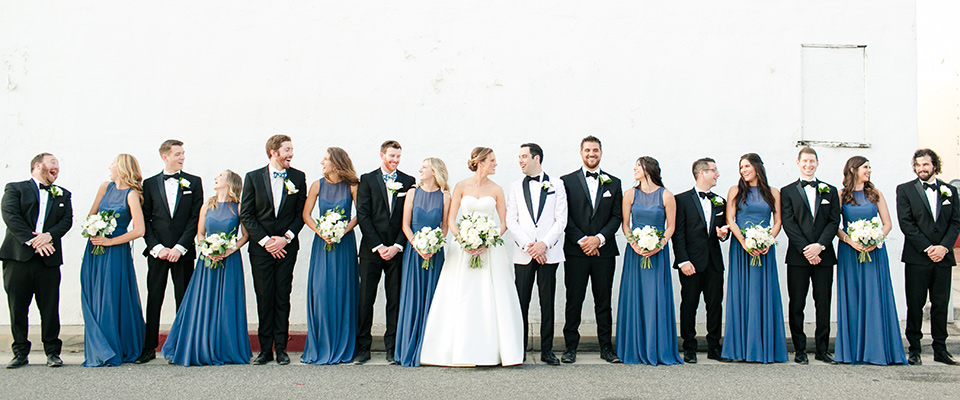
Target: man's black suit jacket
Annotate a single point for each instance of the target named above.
(584, 219)
(376, 222)
(20, 207)
(918, 226)
(692, 241)
(181, 228)
(803, 228)
(256, 209)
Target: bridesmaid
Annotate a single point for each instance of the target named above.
(211, 324)
(427, 205)
(868, 329)
(332, 281)
(754, 328)
(646, 324)
(113, 326)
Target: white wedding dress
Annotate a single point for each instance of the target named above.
(475, 315)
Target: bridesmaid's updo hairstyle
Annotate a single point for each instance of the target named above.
(743, 187)
(342, 165)
(850, 182)
(128, 171)
(440, 175)
(234, 188)
(651, 168)
(477, 156)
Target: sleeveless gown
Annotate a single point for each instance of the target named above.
(868, 329)
(754, 327)
(646, 321)
(113, 325)
(417, 285)
(211, 324)
(475, 314)
(332, 287)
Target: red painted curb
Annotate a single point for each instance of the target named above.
(295, 341)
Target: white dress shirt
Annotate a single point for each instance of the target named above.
(277, 186)
(42, 215)
(707, 207)
(171, 187)
(811, 192)
(592, 185)
(536, 192)
(389, 209)
(932, 197)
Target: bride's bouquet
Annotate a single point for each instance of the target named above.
(757, 237)
(428, 241)
(648, 239)
(102, 224)
(867, 233)
(332, 225)
(477, 230)
(216, 244)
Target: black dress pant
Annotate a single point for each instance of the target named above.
(546, 277)
(157, 272)
(272, 282)
(370, 269)
(599, 271)
(799, 279)
(709, 283)
(23, 281)
(920, 280)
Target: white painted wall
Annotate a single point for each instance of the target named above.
(675, 80)
(938, 81)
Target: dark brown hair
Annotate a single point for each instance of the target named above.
(743, 187)
(168, 144)
(701, 165)
(275, 142)
(850, 181)
(651, 168)
(934, 159)
(592, 139)
(38, 159)
(390, 144)
(340, 161)
(477, 156)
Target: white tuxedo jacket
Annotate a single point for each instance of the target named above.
(548, 229)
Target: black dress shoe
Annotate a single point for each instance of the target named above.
(690, 357)
(282, 357)
(801, 358)
(569, 357)
(825, 357)
(17, 361)
(610, 356)
(391, 356)
(914, 359)
(549, 358)
(263, 358)
(714, 354)
(146, 356)
(54, 361)
(361, 357)
(944, 356)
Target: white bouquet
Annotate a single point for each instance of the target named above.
(477, 230)
(101, 224)
(867, 233)
(216, 244)
(428, 241)
(648, 239)
(332, 225)
(757, 237)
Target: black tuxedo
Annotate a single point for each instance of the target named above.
(922, 275)
(695, 240)
(27, 274)
(167, 231)
(803, 228)
(272, 278)
(379, 226)
(603, 216)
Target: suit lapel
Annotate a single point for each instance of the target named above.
(527, 199)
(707, 220)
(283, 193)
(817, 199)
(268, 186)
(163, 193)
(923, 196)
(543, 198)
(803, 195)
(596, 200)
(940, 199)
(382, 186)
(35, 211)
(176, 204)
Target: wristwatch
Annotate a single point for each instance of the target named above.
(823, 248)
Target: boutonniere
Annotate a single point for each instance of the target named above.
(184, 183)
(546, 186)
(823, 188)
(945, 192)
(54, 191)
(393, 186)
(717, 201)
(291, 188)
(605, 179)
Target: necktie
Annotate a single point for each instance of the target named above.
(390, 177)
(594, 175)
(280, 174)
(174, 176)
(808, 183)
(930, 186)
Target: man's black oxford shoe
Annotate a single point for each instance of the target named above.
(263, 358)
(569, 357)
(610, 356)
(825, 357)
(17, 362)
(690, 357)
(944, 356)
(715, 355)
(914, 359)
(361, 357)
(282, 357)
(54, 361)
(801, 358)
(549, 358)
(146, 356)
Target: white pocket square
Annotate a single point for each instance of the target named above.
(946, 202)
(187, 192)
(607, 194)
(824, 201)
(717, 214)
(401, 194)
(60, 205)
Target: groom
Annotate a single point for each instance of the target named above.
(594, 216)
(380, 196)
(171, 209)
(536, 218)
(271, 210)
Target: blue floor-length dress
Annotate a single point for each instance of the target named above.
(211, 324)
(113, 326)
(868, 329)
(646, 321)
(417, 285)
(754, 328)
(332, 287)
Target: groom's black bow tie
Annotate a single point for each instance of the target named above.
(705, 195)
(930, 186)
(804, 183)
(595, 175)
(44, 187)
(527, 179)
(174, 176)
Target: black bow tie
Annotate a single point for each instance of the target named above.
(930, 186)
(804, 183)
(44, 187)
(174, 176)
(527, 179)
(594, 175)
(705, 195)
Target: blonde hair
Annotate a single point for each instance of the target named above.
(342, 165)
(128, 172)
(439, 172)
(234, 188)
(477, 156)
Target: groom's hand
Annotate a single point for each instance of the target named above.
(388, 252)
(537, 249)
(590, 245)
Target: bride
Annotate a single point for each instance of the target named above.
(475, 315)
